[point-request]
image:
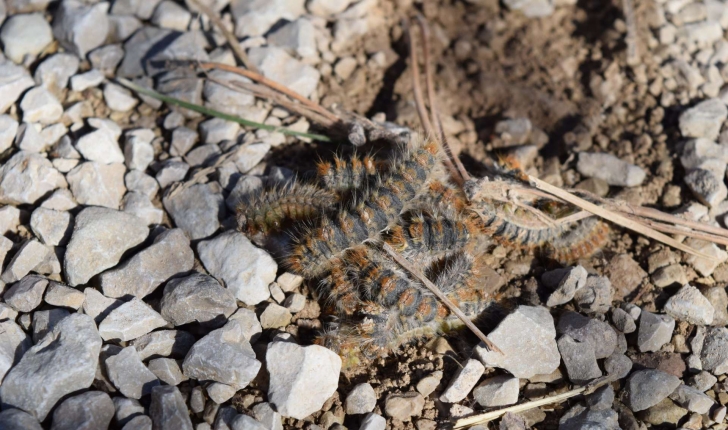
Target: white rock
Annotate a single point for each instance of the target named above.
(29, 138)
(8, 129)
(119, 98)
(39, 105)
(276, 64)
(169, 14)
(26, 177)
(99, 239)
(140, 206)
(100, 145)
(52, 227)
(91, 79)
(63, 296)
(80, 27)
(14, 80)
(98, 184)
(688, 304)
(30, 255)
(360, 400)
(298, 37)
(140, 182)
(25, 34)
(463, 382)
(243, 268)
(138, 153)
(249, 323)
(54, 72)
(13, 344)
(221, 393)
(301, 378)
(256, 17)
(611, 169)
(60, 200)
(129, 375)
(129, 321)
(216, 130)
(327, 8)
(497, 391)
(372, 421)
(704, 119)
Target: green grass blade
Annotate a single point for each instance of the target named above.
(211, 112)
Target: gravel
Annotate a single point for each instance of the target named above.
(39, 105)
(168, 410)
(13, 344)
(277, 65)
(164, 343)
(646, 388)
(16, 419)
(598, 334)
(197, 210)
(703, 119)
(14, 80)
(167, 370)
(404, 406)
(499, 390)
(26, 177)
(79, 27)
(692, 399)
(51, 227)
(129, 375)
(129, 321)
(654, 331)
(579, 359)
(197, 298)
(98, 184)
(573, 280)
(25, 35)
(610, 169)
(255, 18)
(361, 399)
(623, 321)
(88, 411)
(688, 304)
(100, 145)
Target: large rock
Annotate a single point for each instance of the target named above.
(129, 375)
(88, 411)
(169, 255)
(714, 353)
(130, 321)
(168, 409)
(97, 184)
(197, 298)
(301, 378)
(63, 362)
(26, 177)
(527, 338)
(197, 210)
(704, 119)
(598, 334)
(579, 359)
(25, 34)
(164, 343)
(100, 237)
(224, 356)
(646, 388)
(13, 344)
(81, 27)
(244, 269)
(15, 419)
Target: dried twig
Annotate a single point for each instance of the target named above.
(436, 291)
(231, 39)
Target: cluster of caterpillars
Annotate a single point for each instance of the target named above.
(337, 225)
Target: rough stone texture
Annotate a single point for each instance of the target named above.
(224, 356)
(688, 304)
(140, 422)
(714, 353)
(276, 64)
(98, 306)
(692, 399)
(404, 406)
(665, 413)
(15, 419)
(527, 338)
(572, 281)
(220, 393)
(718, 298)
(429, 383)
(197, 210)
(705, 266)
(14, 80)
(167, 370)
(499, 390)
(625, 274)
(623, 321)
(44, 321)
(26, 34)
(168, 409)
(244, 269)
(255, 18)
(164, 343)
(55, 71)
(27, 294)
(703, 119)
(580, 417)
(646, 388)
(141, 206)
(169, 255)
(266, 415)
(100, 145)
(301, 378)
(199, 298)
(610, 169)
(26, 177)
(63, 362)
(579, 359)
(596, 296)
(654, 331)
(129, 375)
(249, 323)
(372, 421)
(118, 98)
(463, 382)
(8, 130)
(360, 400)
(138, 153)
(99, 239)
(130, 321)
(219, 97)
(88, 411)
(601, 399)
(702, 382)
(597, 333)
(96, 184)
(52, 227)
(40, 106)
(79, 27)
(708, 188)
(140, 182)
(13, 344)
(275, 316)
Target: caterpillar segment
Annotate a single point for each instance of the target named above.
(342, 175)
(582, 240)
(269, 210)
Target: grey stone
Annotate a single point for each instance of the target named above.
(298, 37)
(580, 417)
(171, 171)
(40, 106)
(141, 48)
(499, 390)
(703, 119)
(118, 98)
(646, 388)
(99, 239)
(404, 406)
(702, 381)
(372, 421)
(79, 27)
(129, 375)
(360, 400)
(429, 383)
(121, 27)
(25, 34)
(52, 227)
(183, 84)
(216, 130)
(167, 370)
(106, 58)
(168, 409)
(197, 210)
(98, 306)
(29, 138)
(249, 157)
(572, 281)
(610, 169)
(27, 294)
(463, 382)
(301, 378)
(53, 133)
(252, 271)
(669, 275)
(220, 97)
(130, 321)
(60, 200)
(275, 316)
(88, 411)
(527, 338)
(714, 352)
(579, 359)
(126, 410)
(718, 298)
(169, 14)
(15, 419)
(164, 343)
(245, 186)
(255, 18)
(244, 422)
(100, 145)
(183, 139)
(623, 321)
(688, 304)
(63, 296)
(8, 130)
(14, 80)
(220, 393)
(274, 63)
(106, 124)
(597, 333)
(223, 355)
(197, 400)
(140, 182)
(27, 177)
(197, 298)
(44, 321)
(168, 256)
(601, 399)
(249, 323)
(83, 81)
(96, 184)
(697, 151)
(203, 155)
(63, 362)
(692, 399)
(55, 71)
(141, 206)
(141, 422)
(708, 188)
(269, 417)
(705, 266)
(654, 331)
(13, 344)
(9, 219)
(30, 257)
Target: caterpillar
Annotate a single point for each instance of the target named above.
(341, 175)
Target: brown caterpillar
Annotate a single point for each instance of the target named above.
(341, 175)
